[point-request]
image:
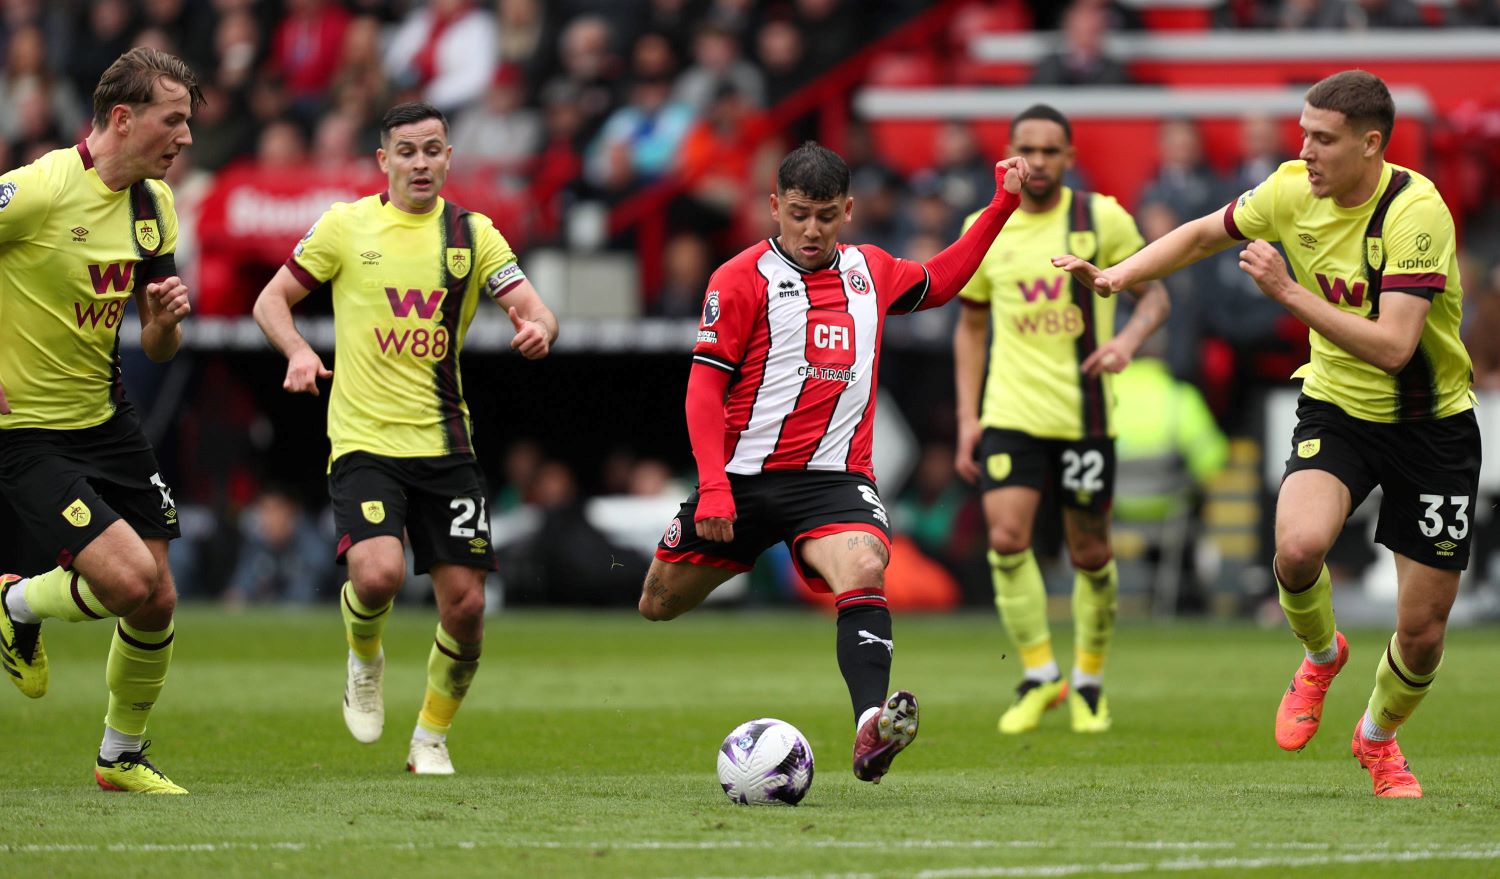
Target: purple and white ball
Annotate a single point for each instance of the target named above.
(766, 762)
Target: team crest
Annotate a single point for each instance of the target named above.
(374, 511)
(7, 192)
(1309, 448)
(1375, 252)
(998, 466)
(78, 514)
(1083, 245)
(148, 235)
(858, 282)
(711, 308)
(458, 261)
(674, 534)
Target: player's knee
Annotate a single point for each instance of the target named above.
(655, 608)
(1091, 557)
(868, 571)
(468, 607)
(1299, 559)
(376, 582)
(1421, 643)
(1008, 539)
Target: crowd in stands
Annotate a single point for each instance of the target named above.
(555, 102)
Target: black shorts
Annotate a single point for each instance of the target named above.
(1079, 473)
(780, 506)
(67, 486)
(1428, 472)
(439, 503)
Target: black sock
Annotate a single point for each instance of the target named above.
(864, 650)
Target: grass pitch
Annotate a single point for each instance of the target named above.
(587, 748)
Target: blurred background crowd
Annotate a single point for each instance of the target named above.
(626, 148)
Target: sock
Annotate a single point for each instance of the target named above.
(1083, 679)
(1310, 613)
(16, 606)
(1398, 692)
(363, 626)
(421, 733)
(450, 671)
(865, 647)
(60, 595)
(1095, 600)
(117, 744)
(1373, 731)
(136, 671)
(1021, 598)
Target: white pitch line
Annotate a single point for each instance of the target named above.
(1183, 865)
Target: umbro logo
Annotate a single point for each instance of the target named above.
(787, 289)
(1307, 240)
(79, 233)
(372, 257)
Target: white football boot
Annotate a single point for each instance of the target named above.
(364, 699)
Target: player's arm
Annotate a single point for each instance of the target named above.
(273, 312)
(536, 325)
(948, 272)
(1387, 342)
(707, 385)
(1179, 248)
(969, 339)
(1151, 309)
(162, 304)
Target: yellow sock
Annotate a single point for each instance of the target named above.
(1095, 601)
(136, 671)
(1310, 612)
(1398, 690)
(450, 671)
(63, 595)
(1021, 598)
(363, 626)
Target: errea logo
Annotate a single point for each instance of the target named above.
(79, 233)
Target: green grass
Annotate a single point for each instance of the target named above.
(587, 747)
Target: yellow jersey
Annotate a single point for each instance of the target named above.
(1334, 252)
(1043, 324)
(405, 289)
(72, 253)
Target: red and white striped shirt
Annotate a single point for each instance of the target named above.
(802, 348)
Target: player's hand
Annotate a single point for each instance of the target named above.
(964, 462)
(303, 369)
(531, 337)
(4, 404)
(169, 301)
(1265, 266)
(714, 518)
(1112, 356)
(1090, 275)
(1011, 174)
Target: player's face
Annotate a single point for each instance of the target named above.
(416, 164)
(1044, 145)
(810, 229)
(158, 131)
(1336, 154)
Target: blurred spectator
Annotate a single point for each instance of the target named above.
(686, 265)
(878, 220)
(282, 554)
(831, 29)
(305, 52)
(499, 129)
(336, 143)
(590, 68)
(236, 47)
(783, 57)
(1186, 288)
(103, 37)
(928, 211)
(1355, 15)
(717, 64)
(1183, 181)
(445, 52)
(927, 510)
(1262, 151)
(640, 139)
(652, 57)
(520, 464)
(1081, 59)
(39, 105)
(1473, 13)
(521, 25)
(966, 177)
(719, 160)
(1482, 320)
(673, 19)
(280, 147)
(560, 162)
(359, 81)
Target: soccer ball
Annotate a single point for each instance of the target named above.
(765, 762)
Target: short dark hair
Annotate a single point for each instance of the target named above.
(815, 171)
(1045, 112)
(1363, 99)
(406, 114)
(132, 80)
